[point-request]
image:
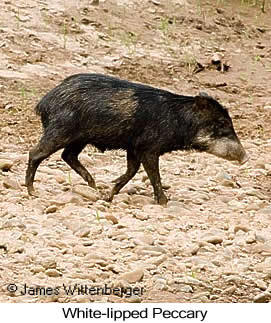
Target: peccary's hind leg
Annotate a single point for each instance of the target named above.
(133, 164)
(151, 166)
(70, 156)
(44, 149)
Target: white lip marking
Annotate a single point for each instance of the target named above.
(225, 148)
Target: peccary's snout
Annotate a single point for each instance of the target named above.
(230, 149)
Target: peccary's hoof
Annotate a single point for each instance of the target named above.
(32, 192)
(93, 185)
(109, 198)
(162, 200)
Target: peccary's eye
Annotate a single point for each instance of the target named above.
(223, 128)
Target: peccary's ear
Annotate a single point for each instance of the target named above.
(202, 101)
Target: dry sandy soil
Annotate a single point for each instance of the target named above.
(212, 243)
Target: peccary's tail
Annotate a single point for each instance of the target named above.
(41, 111)
(38, 109)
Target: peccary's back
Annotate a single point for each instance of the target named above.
(110, 112)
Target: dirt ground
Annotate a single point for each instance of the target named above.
(212, 243)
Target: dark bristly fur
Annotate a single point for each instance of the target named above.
(147, 122)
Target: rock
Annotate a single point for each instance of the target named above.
(87, 243)
(159, 279)
(214, 297)
(157, 260)
(229, 291)
(81, 299)
(86, 191)
(10, 183)
(261, 237)
(57, 244)
(200, 295)
(123, 223)
(252, 207)
(131, 190)
(86, 160)
(191, 281)
(179, 211)
(53, 273)
(74, 212)
(66, 198)
(266, 210)
(156, 3)
(60, 179)
(96, 258)
(185, 289)
(217, 57)
(150, 250)
(262, 297)
(201, 262)
(123, 205)
(5, 164)
(141, 200)
(251, 238)
(121, 284)
(141, 216)
(50, 171)
(37, 269)
(12, 223)
(263, 248)
(85, 275)
(225, 199)
(264, 267)
(175, 204)
(240, 227)
(193, 249)
(261, 284)
(82, 232)
(227, 243)
(234, 279)
(214, 239)
(4, 246)
(95, 2)
(153, 208)
(81, 250)
(119, 237)
(133, 276)
(48, 263)
(160, 286)
(51, 209)
(257, 193)
(112, 218)
(133, 299)
(121, 198)
(236, 204)
(114, 268)
(100, 208)
(145, 239)
(225, 179)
